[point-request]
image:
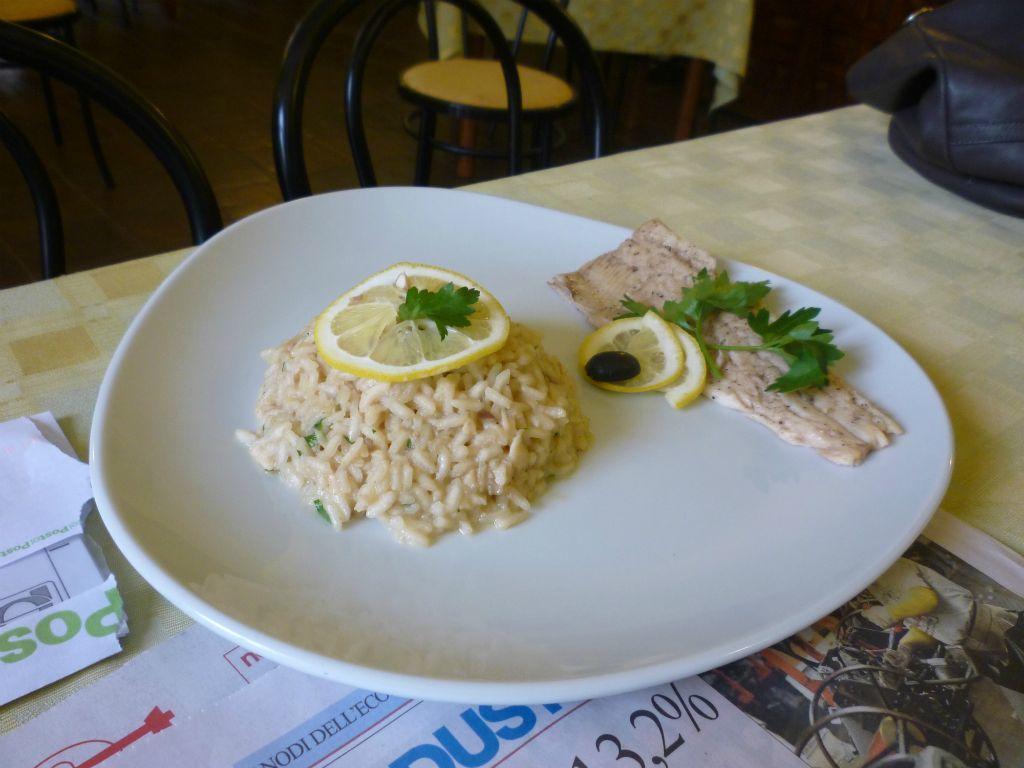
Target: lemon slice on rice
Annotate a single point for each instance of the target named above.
(690, 384)
(650, 339)
(360, 333)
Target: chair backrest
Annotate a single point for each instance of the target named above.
(365, 39)
(309, 35)
(433, 43)
(40, 52)
(549, 46)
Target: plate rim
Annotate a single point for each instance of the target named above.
(463, 690)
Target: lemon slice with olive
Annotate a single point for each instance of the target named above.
(363, 332)
(632, 354)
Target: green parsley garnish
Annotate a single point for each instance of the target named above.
(313, 438)
(319, 507)
(801, 342)
(794, 336)
(408, 444)
(447, 307)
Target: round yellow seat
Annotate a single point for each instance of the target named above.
(25, 11)
(479, 83)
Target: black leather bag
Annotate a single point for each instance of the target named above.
(953, 80)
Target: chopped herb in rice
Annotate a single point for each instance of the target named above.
(319, 507)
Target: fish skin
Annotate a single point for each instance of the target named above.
(652, 266)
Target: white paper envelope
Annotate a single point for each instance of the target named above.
(60, 610)
(44, 489)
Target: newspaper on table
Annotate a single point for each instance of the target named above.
(60, 610)
(927, 664)
(922, 669)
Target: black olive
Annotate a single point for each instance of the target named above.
(612, 366)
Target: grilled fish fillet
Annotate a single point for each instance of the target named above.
(652, 266)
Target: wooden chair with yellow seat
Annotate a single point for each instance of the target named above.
(324, 16)
(473, 89)
(57, 18)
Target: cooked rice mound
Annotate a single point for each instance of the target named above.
(463, 450)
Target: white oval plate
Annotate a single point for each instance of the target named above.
(683, 541)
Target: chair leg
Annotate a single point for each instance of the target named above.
(68, 33)
(425, 147)
(686, 118)
(51, 233)
(465, 166)
(544, 137)
(51, 110)
(94, 140)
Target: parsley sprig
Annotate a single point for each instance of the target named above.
(447, 307)
(798, 339)
(795, 336)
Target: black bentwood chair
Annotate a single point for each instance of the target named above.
(57, 18)
(55, 59)
(309, 35)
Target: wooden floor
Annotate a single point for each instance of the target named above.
(212, 72)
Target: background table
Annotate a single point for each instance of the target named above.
(717, 31)
(821, 200)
